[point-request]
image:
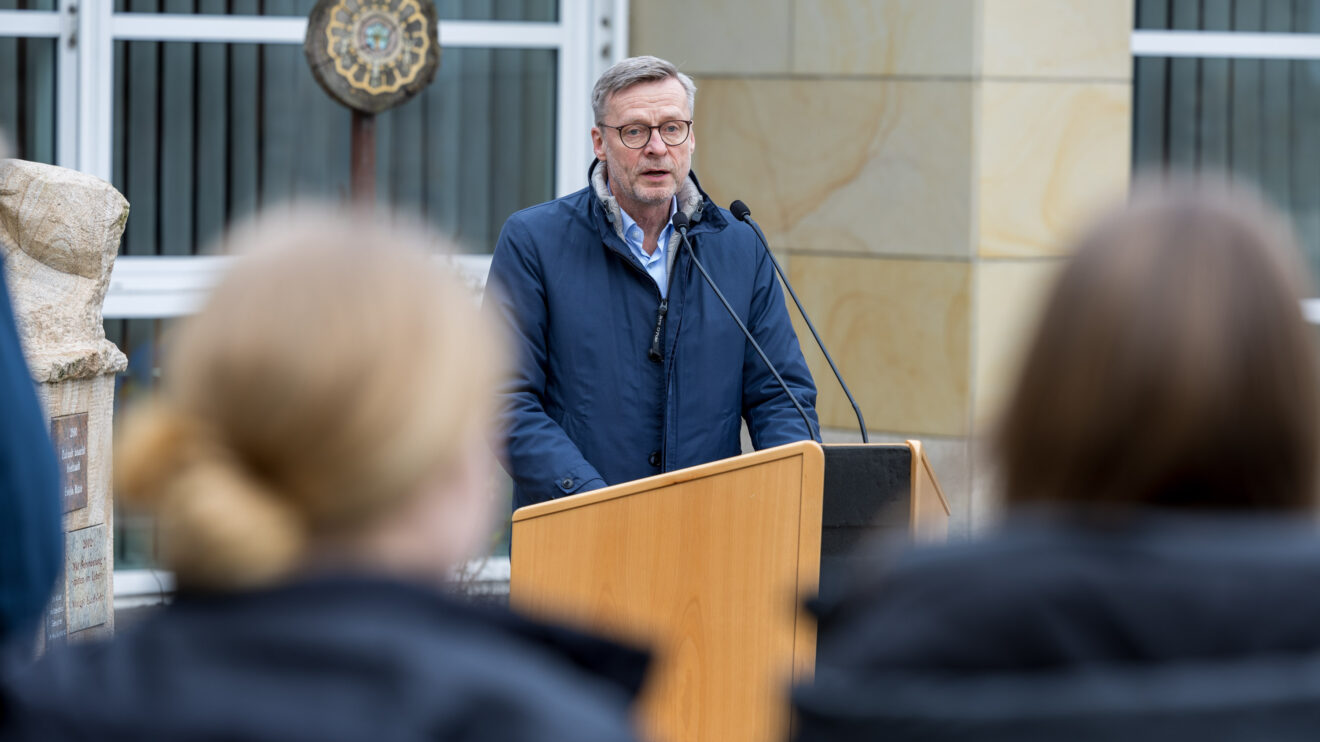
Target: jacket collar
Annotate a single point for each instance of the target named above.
(692, 200)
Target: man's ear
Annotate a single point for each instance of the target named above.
(598, 143)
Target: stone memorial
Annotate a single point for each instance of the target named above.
(59, 234)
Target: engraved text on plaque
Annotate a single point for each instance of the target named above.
(87, 578)
(69, 432)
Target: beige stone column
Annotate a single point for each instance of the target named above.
(59, 232)
(920, 165)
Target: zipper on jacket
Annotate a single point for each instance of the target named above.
(657, 337)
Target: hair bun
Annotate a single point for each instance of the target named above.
(220, 528)
(151, 446)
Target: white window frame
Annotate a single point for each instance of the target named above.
(175, 286)
(1232, 45)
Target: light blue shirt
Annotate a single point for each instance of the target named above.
(656, 263)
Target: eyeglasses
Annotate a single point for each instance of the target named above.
(636, 136)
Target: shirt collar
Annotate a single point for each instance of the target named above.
(629, 223)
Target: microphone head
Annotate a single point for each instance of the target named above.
(740, 211)
(680, 221)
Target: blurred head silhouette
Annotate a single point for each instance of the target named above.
(1172, 367)
(327, 409)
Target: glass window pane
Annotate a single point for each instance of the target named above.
(1226, 15)
(1252, 118)
(135, 533)
(29, 4)
(446, 10)
(498, 10)
(207, 133)
(476, 146)
(217, 7)
(27, 97)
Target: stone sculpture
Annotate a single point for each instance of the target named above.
(59, 234)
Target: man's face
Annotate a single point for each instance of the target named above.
(650, 176)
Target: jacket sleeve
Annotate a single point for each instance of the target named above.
(542, 460)
(772, 420)
(31, 534)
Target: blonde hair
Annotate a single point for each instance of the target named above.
(336, 369)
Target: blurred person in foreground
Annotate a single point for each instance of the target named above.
(31, 532)
(1157, 574)
(317, 460)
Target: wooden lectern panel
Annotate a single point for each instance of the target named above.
(707, 565)
(930, 511)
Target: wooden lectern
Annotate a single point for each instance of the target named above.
(708, 567)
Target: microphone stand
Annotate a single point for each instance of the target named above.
(681, 224)
(744, 214)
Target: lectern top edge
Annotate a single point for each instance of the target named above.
(808, 449)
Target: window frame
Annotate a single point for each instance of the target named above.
(1225, 44)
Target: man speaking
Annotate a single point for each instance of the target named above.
(628, 365)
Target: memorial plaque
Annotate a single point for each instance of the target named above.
(69, 432)
(56, 627)
(87, 578)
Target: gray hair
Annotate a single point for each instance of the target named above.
(632, 71)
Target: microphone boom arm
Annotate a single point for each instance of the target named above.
(682, 232)
(744, 214)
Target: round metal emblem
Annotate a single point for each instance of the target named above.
(372, 55)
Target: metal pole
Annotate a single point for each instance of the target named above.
(362, 180)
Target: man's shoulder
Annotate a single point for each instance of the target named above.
(719, 224)
(729, 244)
(574, 205)
(533, 231)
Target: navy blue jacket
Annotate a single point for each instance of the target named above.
(31, 535)
(344, 658)
(589, 405)
(1163, 627)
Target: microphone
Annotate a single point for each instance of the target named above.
(744, 214)
(681, 223)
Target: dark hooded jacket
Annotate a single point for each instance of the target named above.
(31, 534)
(590, 404)
(332, 659)
(1160, 628)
